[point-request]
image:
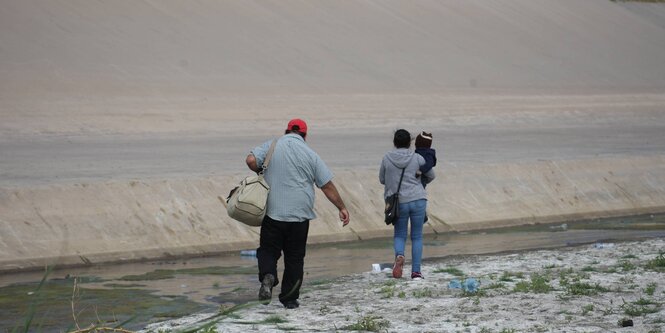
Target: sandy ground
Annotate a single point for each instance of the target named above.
(589, 288)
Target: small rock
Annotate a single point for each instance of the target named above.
(625, 322)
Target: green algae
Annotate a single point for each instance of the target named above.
(163, 274)
(648, 222)
(50, 307)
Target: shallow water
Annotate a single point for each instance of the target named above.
(154, 291)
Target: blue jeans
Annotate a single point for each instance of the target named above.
(415, 211)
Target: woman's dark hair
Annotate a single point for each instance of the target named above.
(402, 139)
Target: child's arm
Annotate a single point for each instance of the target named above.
(429, 176)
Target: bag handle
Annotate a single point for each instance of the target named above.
(266, 161)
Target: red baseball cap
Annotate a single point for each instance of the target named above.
(297, 125)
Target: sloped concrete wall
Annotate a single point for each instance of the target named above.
(107, 222)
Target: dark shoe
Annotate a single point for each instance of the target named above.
(265, 293)
(291, 304)
(397, 267)
(417, 276)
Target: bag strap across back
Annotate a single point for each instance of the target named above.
(400, 181)
(266, 161)
(402, 176)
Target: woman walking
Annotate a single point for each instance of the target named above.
(403, 164)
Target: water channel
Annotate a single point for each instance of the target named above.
(133, 295)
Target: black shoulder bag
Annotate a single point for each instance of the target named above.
(392, 204)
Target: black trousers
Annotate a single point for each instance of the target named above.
(291, 239)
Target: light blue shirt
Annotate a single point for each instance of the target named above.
(292, 173)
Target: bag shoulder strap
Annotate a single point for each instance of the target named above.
(400, 180)
(402, 176)
(266, 161)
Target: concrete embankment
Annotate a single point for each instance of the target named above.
(109, 90)
(74, 224)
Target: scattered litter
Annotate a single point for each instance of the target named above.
(603, 245)
(454, 284)
(378, 268)
(562, 227)
(470, 284)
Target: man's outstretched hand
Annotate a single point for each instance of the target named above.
(344, 216)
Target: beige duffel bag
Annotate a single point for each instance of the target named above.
(247, 203)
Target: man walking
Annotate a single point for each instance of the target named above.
(294, 170)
